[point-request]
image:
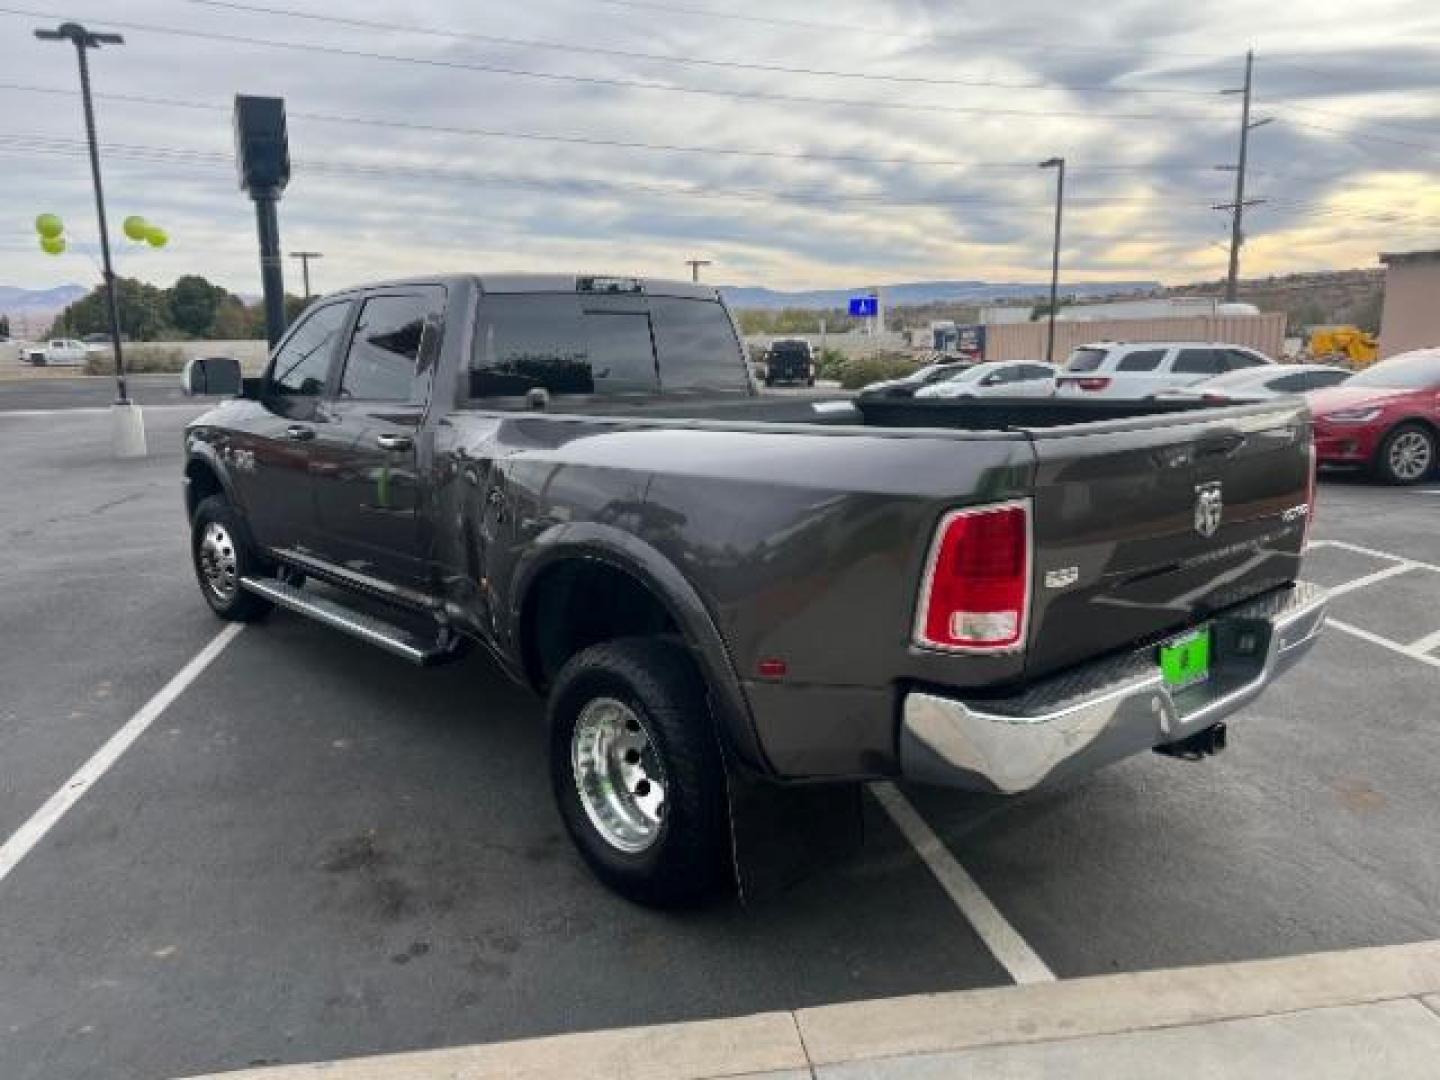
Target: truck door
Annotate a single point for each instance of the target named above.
(269, 459)
(367, 462)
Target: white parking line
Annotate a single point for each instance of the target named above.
(1376, 553)
(1383, 642)
(1002, 939)
(1371, 579)
(43, 820)
(1428, 643)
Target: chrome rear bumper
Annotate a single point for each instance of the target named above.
(1106, 711)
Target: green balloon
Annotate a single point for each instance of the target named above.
(136, 227)
(49, 225)
(53, 245)
(156, 236)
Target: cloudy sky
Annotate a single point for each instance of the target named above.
(794, 143)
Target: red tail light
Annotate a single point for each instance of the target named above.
(1088, 382)
(975, 596)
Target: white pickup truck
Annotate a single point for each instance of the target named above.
(55, 352)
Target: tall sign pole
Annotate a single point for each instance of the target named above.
(262, 157)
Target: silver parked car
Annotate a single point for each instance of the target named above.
(1261, 384)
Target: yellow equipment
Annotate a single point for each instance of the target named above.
(1349, 343)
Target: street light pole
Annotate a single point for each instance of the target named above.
(84, 39)
(305, 257)
(1058, 164)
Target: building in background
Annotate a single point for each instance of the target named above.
(1410, 318)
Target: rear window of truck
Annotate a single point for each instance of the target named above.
(602, 346)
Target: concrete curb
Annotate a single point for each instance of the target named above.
(922, 1024)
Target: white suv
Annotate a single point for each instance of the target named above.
(1143, 369)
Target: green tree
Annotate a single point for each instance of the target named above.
(144, 315)
(4, 326)
(193, 302)
(232, 320)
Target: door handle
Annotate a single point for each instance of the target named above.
(299, 433)
(394, 442)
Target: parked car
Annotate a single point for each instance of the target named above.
(578, 474)
(55, 352)
(1142, 369)
(1260, 383)
(790, 360)
(1386, 418)
(906, 385)
(995, 378)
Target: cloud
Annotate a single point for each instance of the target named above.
(1128, 92)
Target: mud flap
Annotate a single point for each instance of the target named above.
(784, 834)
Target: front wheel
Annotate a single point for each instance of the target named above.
(222, 554)
(637, 771)
(1406, 455)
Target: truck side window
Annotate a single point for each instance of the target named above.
(529, 342)
(302, 362)
(696, 344)
(384, 360)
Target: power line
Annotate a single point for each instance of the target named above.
(671, 58)
(1354, 135)
(622, 144)
(626, 84)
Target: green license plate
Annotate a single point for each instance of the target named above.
(1185, 661)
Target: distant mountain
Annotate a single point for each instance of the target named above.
(14, 298)
(926, 292)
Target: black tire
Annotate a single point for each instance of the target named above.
(688, 859)
(234, 604)
(1387, 465)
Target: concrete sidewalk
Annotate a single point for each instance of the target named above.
(1359, 1013)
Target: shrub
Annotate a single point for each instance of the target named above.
(860, 371)
(139, 360)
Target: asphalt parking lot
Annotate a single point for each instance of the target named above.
(314, 851)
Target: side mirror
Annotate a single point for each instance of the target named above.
(211, 375)
(990, 380)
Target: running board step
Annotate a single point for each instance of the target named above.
(393, 639)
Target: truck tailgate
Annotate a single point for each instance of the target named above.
(1142, 527)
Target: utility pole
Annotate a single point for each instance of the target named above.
(127, 433)
(1237, 208)
(305, 257)
(695, 265)
(1058, 164)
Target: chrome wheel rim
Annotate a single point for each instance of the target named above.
(1410, 454)
(618, 775)
(218, 567)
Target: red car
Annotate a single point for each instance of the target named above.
(1386, 418)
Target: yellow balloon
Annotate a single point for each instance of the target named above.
(49, 225)
(136, 227)
(156, 236)
(53, 245)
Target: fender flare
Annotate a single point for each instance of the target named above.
(629, 554)
(202, 453)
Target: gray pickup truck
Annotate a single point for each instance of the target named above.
(705, 582)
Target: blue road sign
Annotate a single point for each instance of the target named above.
(864, 307)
